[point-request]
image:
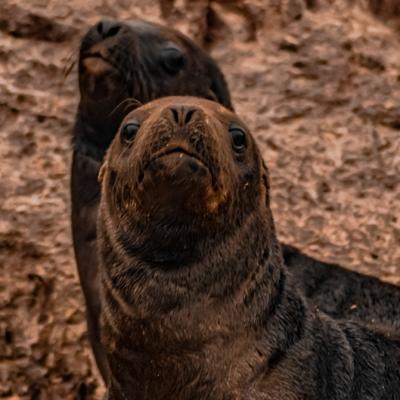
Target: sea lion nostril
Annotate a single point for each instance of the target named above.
(189, 115)
(108, 28)
(175, 115)
(182, 115)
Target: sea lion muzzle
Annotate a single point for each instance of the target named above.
(99, 65)
(176, 175)
(175, 179)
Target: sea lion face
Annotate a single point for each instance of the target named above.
(125, 64)
(182, 165)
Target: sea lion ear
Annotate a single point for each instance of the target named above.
(102, 171)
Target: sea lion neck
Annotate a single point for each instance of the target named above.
(185, 344)
(179, 320)
(173, 275)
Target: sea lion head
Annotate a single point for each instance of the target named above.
(125, 64)
(181, 172)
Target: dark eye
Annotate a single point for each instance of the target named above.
(129, 131)
(173, 59)
(238, 137)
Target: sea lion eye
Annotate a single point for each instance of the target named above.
(173, 59)
(238, 138)
(129, 131)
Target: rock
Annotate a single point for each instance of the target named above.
(20, 23)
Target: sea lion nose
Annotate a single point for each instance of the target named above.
(108, 28)
(182, 114)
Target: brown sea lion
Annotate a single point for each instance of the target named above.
(197, 302)
(122, 65)
(120, 62)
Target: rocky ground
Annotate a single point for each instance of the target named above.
(319, 83)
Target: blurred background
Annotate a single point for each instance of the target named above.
(318, 81)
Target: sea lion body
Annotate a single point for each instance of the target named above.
(344, 294)
(125, 64)
(122, 65)
(196, 300)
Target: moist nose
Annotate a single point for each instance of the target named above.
(183, 115)
(108, 28)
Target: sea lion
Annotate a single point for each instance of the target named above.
(121, 65)
(196, 300)
(124, 64)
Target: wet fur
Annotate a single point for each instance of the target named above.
(227, 322)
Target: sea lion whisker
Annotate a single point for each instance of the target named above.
(69, 65)
(70, 62)
(130, 101)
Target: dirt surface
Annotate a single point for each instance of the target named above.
(319, 86)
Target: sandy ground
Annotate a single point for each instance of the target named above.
(320, 89)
